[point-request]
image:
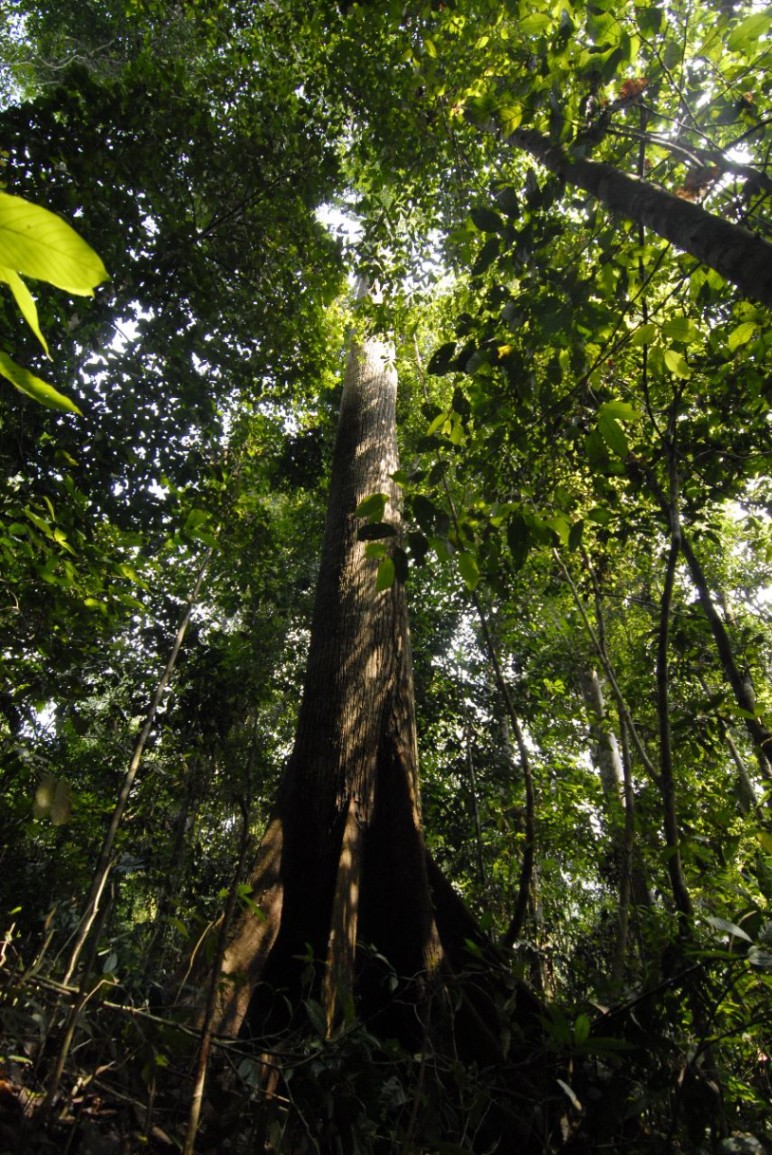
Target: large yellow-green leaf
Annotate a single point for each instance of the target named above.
(35, 387)
(25, 302)
(39, 244)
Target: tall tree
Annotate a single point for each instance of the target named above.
(599, 395)
(343, 861)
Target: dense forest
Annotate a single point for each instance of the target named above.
(385, 577)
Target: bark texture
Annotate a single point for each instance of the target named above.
(343, 859)
(737, 254)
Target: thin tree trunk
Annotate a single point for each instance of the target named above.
(475, 803)
(737, 254)
(616, 789)
(667, 781)
(207, 1027)
(104, 863)
(746, 795)
(742, 685)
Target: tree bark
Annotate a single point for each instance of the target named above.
(737, 254)
(343, 859)
(741, 683)
(616, 790)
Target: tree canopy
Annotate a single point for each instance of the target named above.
(563, 207)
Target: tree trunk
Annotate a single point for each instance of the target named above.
(737, 254)
(619, 799)
(740, 682)
(343, 859)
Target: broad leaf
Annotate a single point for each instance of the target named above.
(741, 335)
(386, 574)
(676, 363)
(35, 387)
(24, 300)
(439, 362)
(372, 507)
(469, 571)
(486, 220)
(39, 244)
(614, 435)
(726, 927)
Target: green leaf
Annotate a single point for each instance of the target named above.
(399, 557)
(61, 803)
(34, 387)
(469, 571)
(24, 300)
(680, 329)
(507, 202)
(748, 32)
(595, 448)
(726, 927)
(39, 244)
(676, 364)
(439, 362)
(644, 335)
(621, 410)
(375, 550)
(518, 539)
(575, 536)
(44, 795)
(614, 435)
(439, 421)
(386, 575)
(765, 838)
(762, 959)
(537, 22)
(374, 531)
(486, 220)
(372, 507)
(560, 524)
(581, 1029)
(741, 335)
(486, 256)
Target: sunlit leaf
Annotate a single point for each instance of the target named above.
(676, 363)
(621, 410)
(765, 839)
(386, 574)
(26, 303)
(35, 387)
(372, 507)
(644, 335)
(745, 38)
(680, 329)
(614, 435)
(39, 244)
(741, 335)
